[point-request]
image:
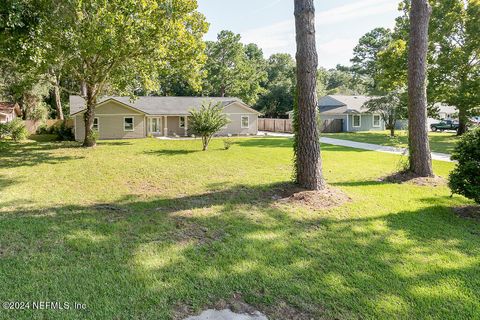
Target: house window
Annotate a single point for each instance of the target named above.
(95, 124)
(376, 120)
(356, 121)
(128, 124)
(182, 122)
(245, 121)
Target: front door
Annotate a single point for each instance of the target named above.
(154, 125)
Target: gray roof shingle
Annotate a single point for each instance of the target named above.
(157, 105)
(338, 104)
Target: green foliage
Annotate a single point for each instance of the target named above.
(64, 132)
(340, 80)
(39, 113)
(207, 121)
(365, 56)
(227, 143)
(465, 178)
(391, 66)
(391, 107)
(94, 135)
(15, 130)
(234, 69)
(454, 48)
(279, 86)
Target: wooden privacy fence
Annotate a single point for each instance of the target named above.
(275, 125)
(285, 125)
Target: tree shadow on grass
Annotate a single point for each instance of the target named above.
(14, 155)
(5, 182)
(149, 258)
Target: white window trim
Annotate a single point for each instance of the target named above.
(180, 122)
(241, 122)
(379, 121)
(133, 124)
(359, 121)
(98, 123)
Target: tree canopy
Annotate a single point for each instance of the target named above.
(234, 69)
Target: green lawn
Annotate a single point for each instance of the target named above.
(141, 229)
(443, 142)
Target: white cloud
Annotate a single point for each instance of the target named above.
(280, 37)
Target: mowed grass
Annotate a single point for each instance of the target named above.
(443, 142)
(139, 229)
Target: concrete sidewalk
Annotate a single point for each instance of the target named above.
(365, 146)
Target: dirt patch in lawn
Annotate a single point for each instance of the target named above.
(411, 178)
(186, 231)
(278, 311)
(316, 200)
(468, 212)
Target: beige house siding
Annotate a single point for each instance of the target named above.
(111, 119)
(234, 112)
(173, 126)
(111, 116)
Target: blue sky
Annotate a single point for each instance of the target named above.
(270, 24)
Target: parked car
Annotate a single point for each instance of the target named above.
(444, 125)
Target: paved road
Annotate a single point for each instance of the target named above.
(365, 146)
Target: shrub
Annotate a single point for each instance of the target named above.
(17, 130)
(465, 178)
(39, 113)
(63, 132)
(4, 130)
(207, 121)
(227, 143)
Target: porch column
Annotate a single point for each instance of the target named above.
(165, 128)
(186, 126)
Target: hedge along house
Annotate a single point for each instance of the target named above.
(351, 111)
(124, 118)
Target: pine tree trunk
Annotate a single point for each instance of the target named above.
(419, 148)
(308, 157)
(58, 101)
(89, 116)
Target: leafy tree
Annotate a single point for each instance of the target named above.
(340, 80)
(390, 107)
(365, 56)
(234, 69)
(307, 143)
(455, 75)
(279, 86)
(207, 121)
(110, 45)
(464, 179)
(419, 149)
(392, 66)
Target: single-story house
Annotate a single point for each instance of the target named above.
(9, 111)
(350, 110)
(122, 117)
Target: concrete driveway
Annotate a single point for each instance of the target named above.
(364, 146)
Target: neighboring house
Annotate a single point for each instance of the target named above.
(121, 117)
(350, 110)
(9, 111)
